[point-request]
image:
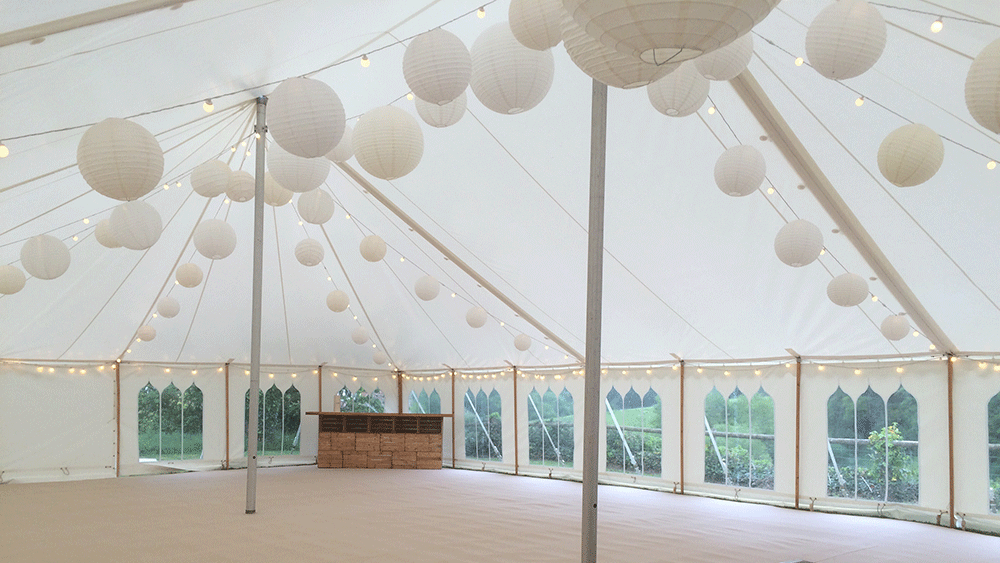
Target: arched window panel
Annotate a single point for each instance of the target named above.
(495, 425)
(536, 429)
(361, 400)
(291, 421)
(260, 421)
(483, 425)
(762, 440)
(192, 422)
(993, 447)
(171, 435)
(422, 403)
(149, 423)
(434, 403)
(716, 470)
(424, 400)
(272, 421)
(870, 464)
(841, 445)
(550, 428)
(900, 438)
(617, 455)
(635, 442)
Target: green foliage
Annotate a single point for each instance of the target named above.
(556, 447)
(750, 463)
(884, 457)
(279, 417)
(477, 442)
(170, 424)
(362, 401)
(995, 496)
(755, 472)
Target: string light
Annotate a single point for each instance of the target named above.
(481, 12)
(932, 347)
(991, 165)
(364, 61)
(700, 370)
(937, 26)
(711, 110)
(409, 96)
(208, 106)
(874, 298)
(75, 238)
(860, 101)
(799, 61)
(996, 367)
(916, 333)
(857, 372)
(899, 369)
(178, 184)
(86, 221)
(166, 186)
(770, 191)
(821, 367)
(4, 151)
(822, 251)
(756, 372)
(726, 373)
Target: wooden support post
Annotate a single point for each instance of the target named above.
(951, 441)
(516, 437)
(319, 385)
(118, 419)
(226, 371)
(798, 424)
(681, 409)
(453, 419)
(399, 389)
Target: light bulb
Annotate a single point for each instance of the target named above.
(822, 251)
(821, 367)
(364, 61)
(75, 238)
(409, 96)
(711, 110)
(799, 61)
(86, 221)
(481, 12)
(166, 186)
(991, 165)
(756, 372)
(700, 370)
(857, 372)
(937, 26)
(874, 298)
(208, 106)
(932, 347)
(726, 373)
(916, 333)
(770, 191)
(4, 151)
(233, 149)
(178, 184)
(860, 101)
(982, 365)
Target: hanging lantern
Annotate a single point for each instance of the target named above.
(45, 257)
(120, 159)
(168, 307)
(443, 115)
(344, 149)
(910, 155)
(728, 62)
(427, 288)
(295, 173)
(680, 93)
(982, 87)
(242, 186)
(436, 66)
(847, 290)
(316, 207)
(214, 239)
(605, 64)
(508, 77)
(210, 178)
(275, 194)
(536, 23)
(895, 327)
(388, 142)
(146, 333)
(338, 301)
(476, 317)
(845, 39)
(798, 243)
(373, 248)
(309, 252)
(379, 357)
(522, 342)
(359, 335)
(136, 225)
(740, 170)
(11, 279)
(305, 117)
(189, 275)
(104, 236)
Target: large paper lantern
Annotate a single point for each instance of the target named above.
(373, 248)
(443, 115)
(11, 279)
(910, 155)
(740, 170)
(295, 173)
(605, 64)
(536, 24)
(344, 149)
(522, 342)
(895, 327)
(728, 62)
(45, 257)
(476, 317)
(845, 39)
(798, 243)
(316, 207)
(242, 186)
(427, 288)
(379, 357)
(309, 252)
(274, 193)
(661, 31)
(210, 178)
(120, 159)
(982, 87)
(189, 275)
(136, 225)
(847, 290)
(508, 77)
(359, 335)
(168, 307)
(146, 333)
(338, 301)
(388, 142)
(680, 93)
(214, 239)
(437, 66)
(305, 117)
(104, 236)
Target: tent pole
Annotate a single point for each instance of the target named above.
(399, 389)
(951, 441)
(258, 268)
(226, 372)
(681, 409)
(118, 419)
(319, 385)
(595, 274)
(798, 425)
(452, 418)
(516, 437)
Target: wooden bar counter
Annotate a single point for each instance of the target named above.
(379, 440)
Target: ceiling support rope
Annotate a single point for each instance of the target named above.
(281, 282)
(77, 21)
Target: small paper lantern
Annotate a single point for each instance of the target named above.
(11, 279)
(305, 117)
(508, 77)
(427, 288)
(168, 307)
(242, 186)
(344, 149)
(388, 142)
(680, 93)
(895, 327)
(443, 115)
(359, 335)
(728, 62)
(45, 257)
(536, 23)
(210, 178)
(295, 173)
(476, 317)
(274, 193)
(338, 301)
(146, 333)
(379, 357)
(982, 87)
(910, 155)
(845, 39)
(189, 275)
(436, 66)
(120, 159)
(373, 248)
(798, 243)
(104, 236)
(316, 207)
(522, 342)
(847, 290)
(309, 252)
(605, 64)
(740, 170)
(136, 225)
(214, 239)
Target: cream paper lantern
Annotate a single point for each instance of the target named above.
(373, 248)
(305, 117)
(845, 39)
(214, 239)
(210, 178)
(680, 93)
(120, 159)
(338, 301)
(476, 317)
(104, 236)
(136, 225)
(847, 290)
(344, 149)
(606, 65)
(168, 307)
(982, 87)
(728, 62)
(437, 66)
(45, 257)
(427, 288)
(661, 31)
(11, 279)
(536, 24)
(189, 275)
(146, 333)
(242, 186)
(359, 335)
(895, 327)
(910, 155)
(508, 77)
(295, 173)
(275, 194)
(444, 115)
(309, 252)
(315, 207)
(522, 342)
(388, 142)
(740, 170)
(379, 357)
(798, 243)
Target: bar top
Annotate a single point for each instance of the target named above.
(442, 415)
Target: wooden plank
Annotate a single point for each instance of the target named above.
(355, 460)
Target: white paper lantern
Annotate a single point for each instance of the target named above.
(136, 225)
(728, 62)
(242, 186)
(476, 317)
(168, 307)
(210, 178)
(379, 357)
(295, 173)
(536, 24)
(309, 252)
(522, 342)
(910, 155)
(189, 275)
(11, 279)
(146, 333)
(437, 66)
(604, 63)
(895, 327)
(316, 207)
(740, 170)
(847, 290)
(45, 257)
(659, 31)
(305, 117)
(982, 87)
(388, 142)
(508, 77)
(373, 248)
(427, 288)
(443, 115)
(845, 39)
(344, 149)
(338, 301)
(798, 243)
(680, 93)
(104, 236)
(120, 159)
(214, 239)
(359, 335)
(274, 193)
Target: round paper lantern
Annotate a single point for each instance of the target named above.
(242, 186)
(845, 39)
(45, 257)
(847, 290)
(680, 93)
(476, 317)
(146, 333)
(214, 239)
(210, 178)
(798, 243)
(522, 342)
(508, 77)
(536, 23)
(427, 288)
(104, 235)
(316, 207)
(605, 64)
(295, 173)
(338, 301)
(379, 357)
(740, 170)
(436, 66)
(659, 31)
(136, 225)
(11, 279)
(388, 142)
(359, 335)
(443, 115)
(982, 87)
(895, 327)
(120, 159)
(189, 275)
(373, 248)
(728, 62)
(168, 307)
(274, 193)
(305, 117)
(910, 155)
(309, 252)
(344, 149)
